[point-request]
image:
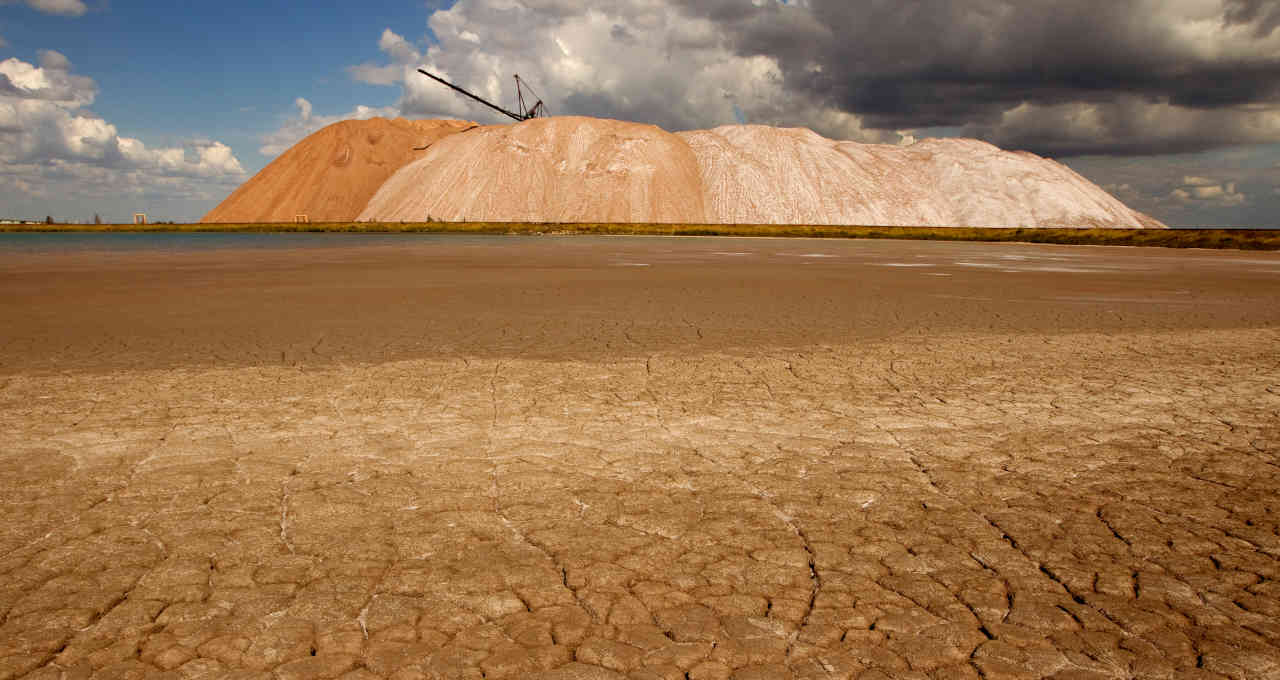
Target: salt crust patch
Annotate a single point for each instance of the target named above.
(1094, 299)
(1063, 270)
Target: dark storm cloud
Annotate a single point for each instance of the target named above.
(930, 63)
(1057, 77)
(1262, 15)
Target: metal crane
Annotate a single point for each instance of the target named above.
(538, 110)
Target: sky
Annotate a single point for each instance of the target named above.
(111, 107)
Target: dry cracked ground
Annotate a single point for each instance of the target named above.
(899, 461)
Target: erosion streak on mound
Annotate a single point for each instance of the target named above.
(549, 169)
(330, 175)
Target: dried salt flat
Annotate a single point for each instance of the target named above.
(1094, 299)
(1063, 270)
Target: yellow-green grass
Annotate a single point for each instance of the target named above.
(1243, 239)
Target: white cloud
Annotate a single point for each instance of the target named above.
(51, 145)
(397, 47)
(375, 74)
(53, 60)
(630, 59)
(1203, 191)
(304, 108)
(69, 8)
(305, 123)
(52, 81)
(402, 55)
(1125, 192)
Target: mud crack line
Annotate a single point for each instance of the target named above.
(815, 579)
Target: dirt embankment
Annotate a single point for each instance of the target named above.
(332, 174)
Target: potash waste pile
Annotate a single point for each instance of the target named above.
(331, 175)
(574, 169)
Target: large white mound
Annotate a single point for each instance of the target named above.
(563, 169)
(572, 169)
(763, 175)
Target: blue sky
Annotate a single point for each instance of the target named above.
(228, 70)
(112, 106)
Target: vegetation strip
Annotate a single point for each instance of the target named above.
(1240, 239)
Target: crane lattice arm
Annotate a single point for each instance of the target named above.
(537, 110)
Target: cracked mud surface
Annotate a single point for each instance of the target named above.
(1097, 501)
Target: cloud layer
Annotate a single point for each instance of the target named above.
(1075, 79)
(1057, 78)
(639, 60)
(51, 144)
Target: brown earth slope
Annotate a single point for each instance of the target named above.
(331, 175)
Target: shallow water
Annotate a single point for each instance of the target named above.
(51, 242)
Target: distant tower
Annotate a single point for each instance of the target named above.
(139, 218)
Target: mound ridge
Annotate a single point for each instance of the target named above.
(578, 169)
(331, 175)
